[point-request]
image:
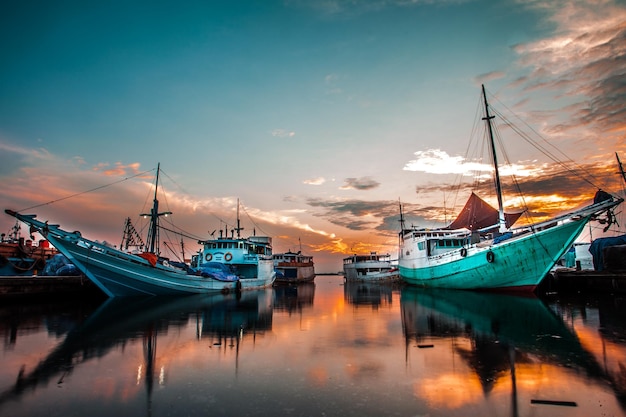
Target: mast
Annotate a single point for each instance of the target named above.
(621, 167)
(488, 118)
(238, 228)
(153, 232)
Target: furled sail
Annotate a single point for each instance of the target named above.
(478, 214)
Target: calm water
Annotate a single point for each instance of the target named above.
(326, 349)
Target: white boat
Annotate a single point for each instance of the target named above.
(247, 261)
(480, 250)
(119, 273)
(370, 268)
(292, 267)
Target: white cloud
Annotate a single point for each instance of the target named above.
(283, 133)
(436, 161)
(315, 181)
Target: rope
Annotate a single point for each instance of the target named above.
(85, 192)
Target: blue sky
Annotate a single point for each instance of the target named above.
(317, 115)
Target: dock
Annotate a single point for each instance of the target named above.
(19, 286)
(569, 280)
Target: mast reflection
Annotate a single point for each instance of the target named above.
(117, 321)
(504, 332)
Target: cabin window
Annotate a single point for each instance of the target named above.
(420, 245)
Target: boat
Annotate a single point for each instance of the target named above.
(293, 267)
(374, 267)
(120, 273)
(480, 250)
(247, 261)
(20, 257)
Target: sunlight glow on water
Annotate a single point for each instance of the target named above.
(323, 349)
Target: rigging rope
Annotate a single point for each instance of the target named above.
(85, 192)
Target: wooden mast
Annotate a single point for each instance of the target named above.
(153, 232)
(487, 118)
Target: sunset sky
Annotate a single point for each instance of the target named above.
(319, 116)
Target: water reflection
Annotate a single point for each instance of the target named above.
(294, 298)
(368, 293)
(326, 348)
(498, 337)
(223, 320)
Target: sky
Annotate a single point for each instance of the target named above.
(319, 117)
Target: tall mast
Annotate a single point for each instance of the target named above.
(153, 232)
(488, 118)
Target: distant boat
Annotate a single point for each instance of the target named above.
(119, 273)
(480, 250)
(292, 268)
(19, 257)
(370, 268)
(248, 261)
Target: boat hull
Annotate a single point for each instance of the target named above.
(295, 273)
(352, 275)
(118, 273)
(119, 277)
(517, 264)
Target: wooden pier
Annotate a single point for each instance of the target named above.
(18, 286)
(568, 280)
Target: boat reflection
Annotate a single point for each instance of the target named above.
(503, 333)
(372, 294)
(294, 298)
(223, 319)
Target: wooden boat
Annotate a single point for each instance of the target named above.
(480, 250)
(293, 268)
(119, 273)
(19, 257)
(370, 268)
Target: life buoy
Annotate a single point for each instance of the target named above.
(228, 256)
(208, 257)
(490, 257)
(463, 252)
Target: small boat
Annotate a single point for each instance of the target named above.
(245, 261)
(370, 268)
(292, 268)
(19, 257)
(120, 273)
(480, 250)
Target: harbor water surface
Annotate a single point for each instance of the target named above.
(324, 349)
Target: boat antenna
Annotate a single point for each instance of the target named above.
(153, 232)
(487, 119)
(238, 228)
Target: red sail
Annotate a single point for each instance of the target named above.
(478, 214)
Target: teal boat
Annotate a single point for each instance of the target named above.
(480, 250)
